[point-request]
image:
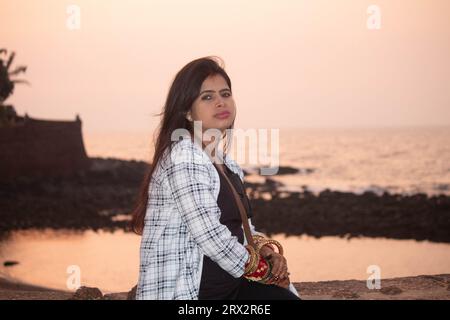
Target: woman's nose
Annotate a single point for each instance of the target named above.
(220, 102)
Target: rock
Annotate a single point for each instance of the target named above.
(287, 170)
(132, 294)
(116, 296)
(346, 294)
(412, 288)
(87, 293)
(391, 290)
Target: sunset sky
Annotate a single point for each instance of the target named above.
(292, 63)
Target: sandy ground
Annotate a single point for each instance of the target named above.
(425, 287)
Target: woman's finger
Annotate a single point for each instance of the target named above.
(276, 267)
(281, 265)
(285, 273)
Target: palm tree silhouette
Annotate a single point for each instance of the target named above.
(7, 84)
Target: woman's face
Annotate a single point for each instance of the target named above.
(215, 105)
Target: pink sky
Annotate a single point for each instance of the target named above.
(292, 63)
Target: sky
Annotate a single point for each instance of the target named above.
(293, 64)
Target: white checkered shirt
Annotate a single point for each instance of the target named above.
(182, 224)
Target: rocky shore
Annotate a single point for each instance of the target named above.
(102, 197)
(424, 287)
(345, 214)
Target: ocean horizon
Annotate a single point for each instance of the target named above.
(401, 160)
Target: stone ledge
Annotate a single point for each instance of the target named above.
(424, 287)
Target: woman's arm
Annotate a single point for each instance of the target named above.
(192, 192)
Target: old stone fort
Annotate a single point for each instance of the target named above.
(35, 147)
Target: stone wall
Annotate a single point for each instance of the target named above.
(35, 147)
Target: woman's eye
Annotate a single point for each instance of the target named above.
(208, 96)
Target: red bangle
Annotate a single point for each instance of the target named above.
(262, 271)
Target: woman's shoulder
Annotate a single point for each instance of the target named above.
(188, 151)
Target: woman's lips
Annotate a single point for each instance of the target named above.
(223, 115)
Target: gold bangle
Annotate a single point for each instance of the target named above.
(277, 244)
(268, 245)
(259, 239)
(264, 242)
(260, 244)
(257, 236)
(253, 260)
(253, 265)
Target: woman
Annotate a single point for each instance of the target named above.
(193, 246)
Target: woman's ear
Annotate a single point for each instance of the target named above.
(188, 116)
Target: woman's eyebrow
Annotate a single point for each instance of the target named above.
(225, 89)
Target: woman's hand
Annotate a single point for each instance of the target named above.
(279, 270)
(280, 274)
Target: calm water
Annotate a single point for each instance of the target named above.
(398, 160)
(110, 260)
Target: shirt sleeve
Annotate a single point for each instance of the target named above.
(192, 192)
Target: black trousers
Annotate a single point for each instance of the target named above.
(251, 290)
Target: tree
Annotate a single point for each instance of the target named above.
(7, 84)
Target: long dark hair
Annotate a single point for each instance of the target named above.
(184, 90)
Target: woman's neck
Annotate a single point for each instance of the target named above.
(212, 145)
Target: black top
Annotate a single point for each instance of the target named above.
(216, 283)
